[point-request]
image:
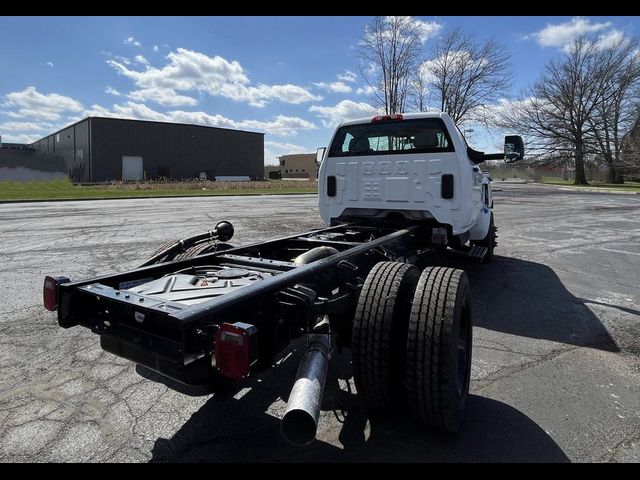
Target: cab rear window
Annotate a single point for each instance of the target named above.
(421, 135)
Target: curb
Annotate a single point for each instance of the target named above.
(596, 190)
(571, 188)
(42, 200)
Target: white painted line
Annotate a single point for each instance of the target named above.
(242, 393)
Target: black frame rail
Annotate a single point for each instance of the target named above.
(110, 288)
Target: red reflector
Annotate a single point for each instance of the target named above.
(50, 291)
(235, 349)
(385, 118)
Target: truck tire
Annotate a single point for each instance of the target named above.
(379, 333)
(488, 241)
(439, 344)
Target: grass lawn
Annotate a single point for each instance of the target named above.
(64, 189)
(627, 186)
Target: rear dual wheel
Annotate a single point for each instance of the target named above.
(412, 342)
(380, 331)
(439, 344)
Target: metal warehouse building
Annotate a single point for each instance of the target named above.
(99, 149)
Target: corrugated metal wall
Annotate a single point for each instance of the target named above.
(173, 150)
(82, 151)
(69, 146)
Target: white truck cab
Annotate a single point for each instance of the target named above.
(416, 166)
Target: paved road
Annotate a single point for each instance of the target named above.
(556, 367)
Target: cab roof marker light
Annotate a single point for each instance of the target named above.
(384, 118)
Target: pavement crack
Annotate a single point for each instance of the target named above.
(626, 442)
(506, 372)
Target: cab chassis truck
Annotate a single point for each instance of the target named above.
(392, 189)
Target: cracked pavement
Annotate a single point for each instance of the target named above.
(556, 367)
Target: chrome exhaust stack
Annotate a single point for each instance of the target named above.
(300, 422)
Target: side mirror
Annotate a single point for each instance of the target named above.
(513, 148)
(320, 155)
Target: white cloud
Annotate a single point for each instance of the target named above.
(24, 126)
(504, 107)
(141, 60)
(335, 87)
(187, 70)
(279, 125)
(25, 131)
(132, 41)
(285, 148)
(155, 48)
(371, 69)
(21, 138)
(260, 95)
(137, 111)
(458, 59)
(424, 29)
(366, 90)
(347, 76)
(562, 35)
(49, 64)
(164, 96)
(123, 60)
(345, 110)
(609, 39)
(35, 114)
(29, 103)
(112, 91)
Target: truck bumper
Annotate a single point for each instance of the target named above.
(194, 372)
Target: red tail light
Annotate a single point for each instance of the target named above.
(385, 118)
(50, 291)
(235, 349)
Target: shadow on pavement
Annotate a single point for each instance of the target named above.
(227, 429)
(514, 296)
(528, 299)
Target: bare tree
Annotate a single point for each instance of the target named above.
(630, 155)
(419, 90)
(618, 110)
(466, 74)
(557, 112)
(390, 52)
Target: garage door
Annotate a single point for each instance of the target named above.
(132, 168)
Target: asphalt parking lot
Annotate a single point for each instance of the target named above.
(556, 366)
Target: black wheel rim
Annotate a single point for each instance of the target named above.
(493, 237)
(464, 351)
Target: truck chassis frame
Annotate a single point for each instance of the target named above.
(311, 287)
(175, 339)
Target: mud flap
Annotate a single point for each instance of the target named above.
(481, 228)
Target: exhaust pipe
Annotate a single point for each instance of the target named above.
(300, 422)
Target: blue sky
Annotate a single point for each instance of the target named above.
(293, 78)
